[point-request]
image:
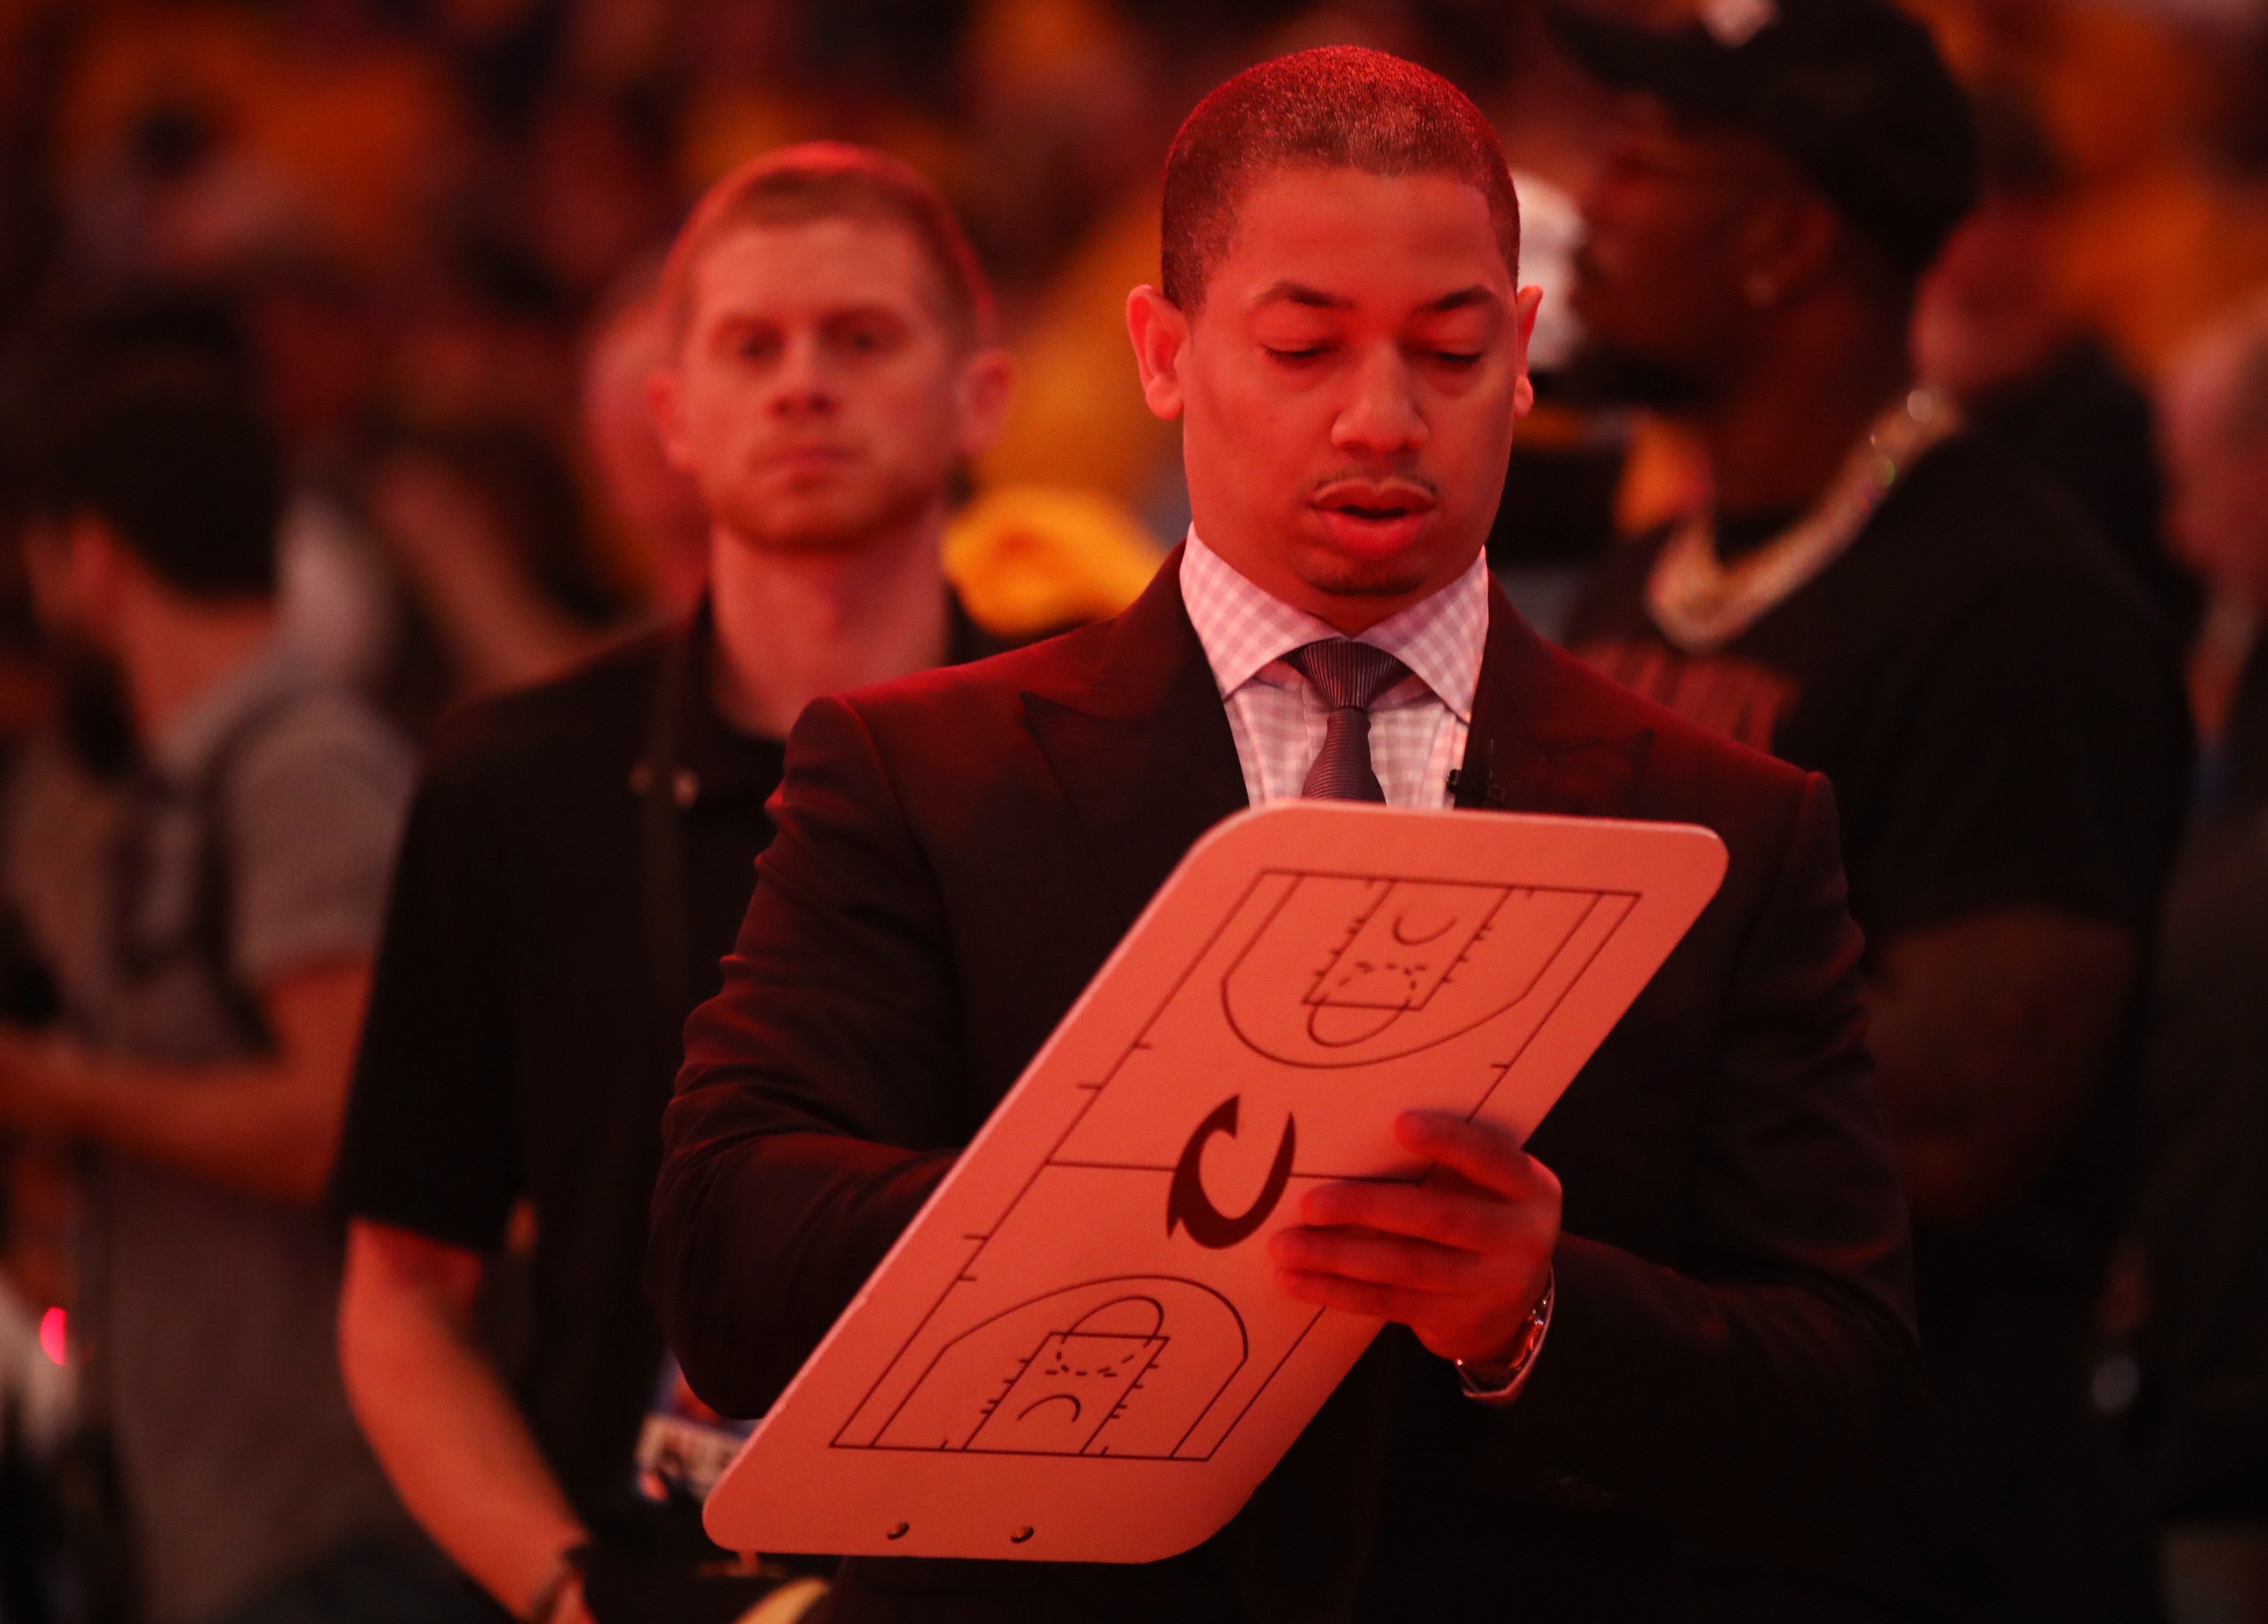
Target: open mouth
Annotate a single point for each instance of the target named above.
(1373, 519)
(1375, 513)
(1376, 501)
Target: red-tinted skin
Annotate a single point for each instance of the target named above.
(2217, 519)
(1348, 386)
(818, 396)
(1707, 254)
(1676, 229)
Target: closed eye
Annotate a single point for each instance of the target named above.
(1312, 352)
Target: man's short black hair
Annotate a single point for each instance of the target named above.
(184, 467)
(1334, 106)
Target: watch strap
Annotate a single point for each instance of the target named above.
(1498, 1383)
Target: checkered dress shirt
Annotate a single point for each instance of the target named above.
(1418, 727)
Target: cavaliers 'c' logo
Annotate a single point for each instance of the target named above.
(1189, 1207)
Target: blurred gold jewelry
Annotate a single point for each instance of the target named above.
(1701, 603)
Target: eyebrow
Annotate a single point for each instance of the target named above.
(1315, 298)
(1300, 293)
(1463, 299)
(728, 321)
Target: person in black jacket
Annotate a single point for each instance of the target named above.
(1878, 594)
(1707, 1226)
(577, 858)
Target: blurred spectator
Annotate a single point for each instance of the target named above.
(1556, 520)
(2155, 228)
(2216, 444)
(194, 133)
(2200, 1228)
(1906, 609)
(1990, 331)
(295, 332)
(2201, 1217)
(209, 921)
(596, 190)
(1080, 418)
(578, 861)
(661, 529)
(486, 527)
(486, 338)
(1061, 97)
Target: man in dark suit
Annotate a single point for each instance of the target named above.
(1683, 1309)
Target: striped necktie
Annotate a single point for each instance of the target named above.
(1350, 676)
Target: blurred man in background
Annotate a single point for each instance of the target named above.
(2201, 1217)
(2215, 435)
(578, 861)
(209, 931)
(655, 509)
(1992, 332)
(1910, 611)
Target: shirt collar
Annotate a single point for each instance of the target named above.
(1244, 630)
(187, 745)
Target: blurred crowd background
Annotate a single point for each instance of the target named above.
(426, 228)
(427, 231)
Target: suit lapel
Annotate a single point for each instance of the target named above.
(1144, 755)
(1537, 744)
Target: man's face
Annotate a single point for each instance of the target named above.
(819, 398)
(1669, 236)
(1348, 387)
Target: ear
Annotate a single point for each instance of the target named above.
(1525, 304)
(1161, 332)
(86, 570)
(1793, 245)
(988, 387)
(664, 390)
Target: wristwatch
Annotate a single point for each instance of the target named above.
(1498, 1381)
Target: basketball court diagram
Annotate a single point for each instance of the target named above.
(1088, 1299)
(1350, 976)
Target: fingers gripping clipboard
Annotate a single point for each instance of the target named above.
(1076, 1352)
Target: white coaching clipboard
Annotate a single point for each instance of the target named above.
(1076, 1353)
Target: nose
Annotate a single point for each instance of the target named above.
(1382, 416)
(802, 386)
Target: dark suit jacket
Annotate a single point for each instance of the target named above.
(957, 853)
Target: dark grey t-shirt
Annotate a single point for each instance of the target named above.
(212, 1311)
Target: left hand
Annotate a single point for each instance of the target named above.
(1460, 1259)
